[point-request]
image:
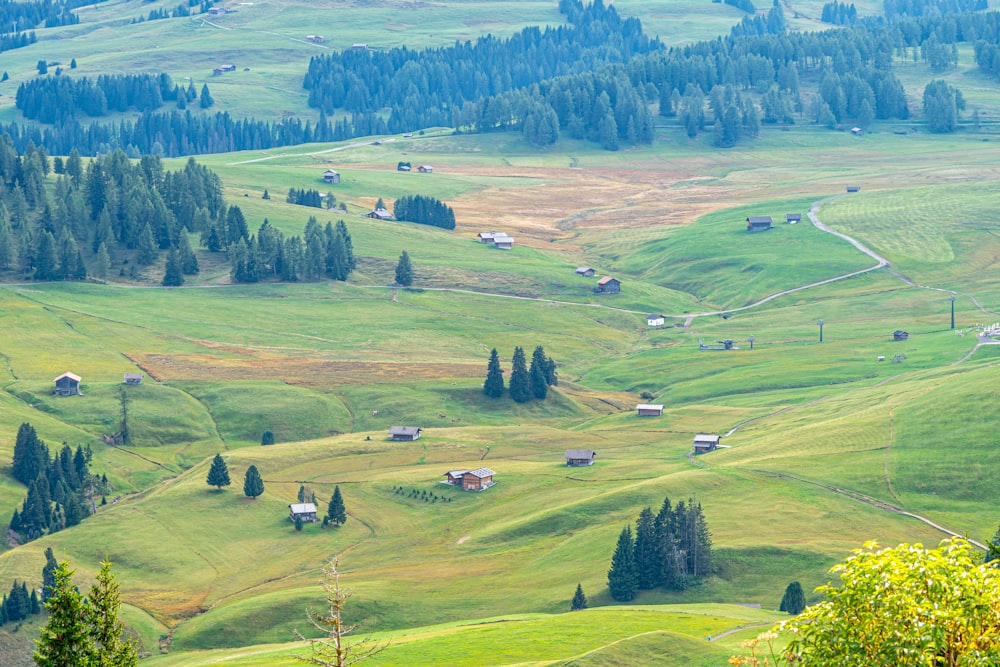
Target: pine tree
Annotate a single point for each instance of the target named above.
(205, 100)
(520, 381)
(66, 638)
(48, 574)
(102, 262)
(146, 248)
(539, 382)
(579, 599)
(404, 270)
(623, 582)
(107, 631)
(189, 261)
(336, 512)
(646, 561)
(493, 387)
(218, 474)
(267, 438)
(794, 599)
(172, 276)
(31, 456)
(266, 195)
(253, 485)
(298, 522)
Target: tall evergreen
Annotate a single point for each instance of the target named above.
(336, 513)
(172, 276)
(66, 639)
(579, 599)
(218, 474)
(112, 646)
(31, 456)
(623, 580)
(189, 261)
(520, 381)
(404, 270)
(493, 387)
(794, 599)
(539, 381)
(253, 485)
(647, 562)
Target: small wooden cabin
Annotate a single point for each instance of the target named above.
(487, 237)
(332, 177)
(379, 214)
(425, 169)
(758, 223)
(608, 285)
(706, 443)
(580, 457)
(585, 271)
(454, 477)
(405, 433)
(503, 242)
(649, 410)
(67, 384)
(306, 511)
(899, 334)
(479, 479)
(132, 378)
(792, 218)
(854, 188)
(655, 320)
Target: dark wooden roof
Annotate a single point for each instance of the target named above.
(580, 453)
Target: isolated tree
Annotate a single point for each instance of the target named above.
(49, 574)
(579, 599)
(112, 646)
(336, 512)
(539, 381)
(520, 381)
(404, 270)
(623, 580)
(253, 485)
(205, 100)
(66, 638)
(218, 474)
(794, 599)
(265, 195)
(267, 438)
(172, 276)
(124, 427)
(493, 387)
(332, 650)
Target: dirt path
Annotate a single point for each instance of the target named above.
(739, 628)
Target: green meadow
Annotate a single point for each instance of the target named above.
(825, 445)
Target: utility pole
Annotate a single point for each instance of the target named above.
(751, 340)
(820, 323)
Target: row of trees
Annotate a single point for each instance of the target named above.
(424, 210)
(525, 383)
(60, 488)
(304, 197)
(218, 476)
(321, 251)
(672, 549)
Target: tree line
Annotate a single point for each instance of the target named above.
(424, 211)
(303, 197)
(672, 549)
(897, 9)
(60, 488)
(17, 18)
(422, 87)
(57, 98)
(525, 383)
(321, 251)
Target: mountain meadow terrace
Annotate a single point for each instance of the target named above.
(825, 446)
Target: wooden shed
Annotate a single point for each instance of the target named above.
(655, 320)
(407, 433)
(479, 479)
(608, 285)
(67, 384)
(899, 334)
(580, 457)
(379, 214)
(307, 512)
(758, 223)
(132, 378)
(649, 409)
(585, 271)
(454, 477)
(854, 188)
(332, 177)
(705, 443)
(503, 242)
(792, 218)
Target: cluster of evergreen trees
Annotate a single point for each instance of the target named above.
(19, 604)
(424, 210)
(321, 251)
(304, 197)
(672, 549)
(15, 40)
(422, 88)
(942, 102)
(55, 99)
(112, 212)
(17, 18)
(60, 488)
(896, 9)
(839, 13)
(525, 383)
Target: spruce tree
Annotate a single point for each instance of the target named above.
(520, 381)
(218, 474)
(794, 599)
(31, 456)
(646, 561)
(205, 100)
(48, 574)
(112, 646)
(253, 485)
(102, 262)
(579, 599)
(298, 522)
(172, 276)
(267, 438)
(146, 248)
(623, 581)
(189, 261)
(336, 512)
(493, 387)
(539, 382)
(404, 270)
(66, 639)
